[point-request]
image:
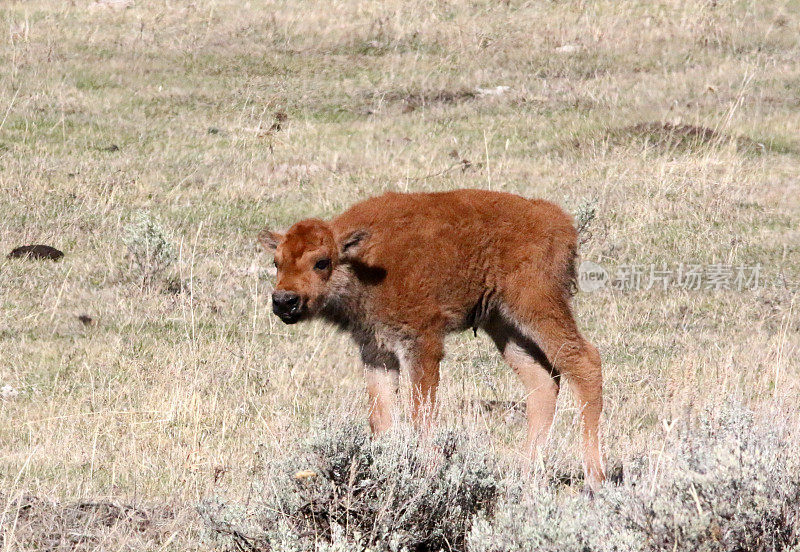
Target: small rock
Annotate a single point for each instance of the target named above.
(111, 4)
(568, 49)
(496, 91)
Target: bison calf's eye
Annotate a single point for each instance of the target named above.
(322, 264)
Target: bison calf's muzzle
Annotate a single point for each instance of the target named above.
(287, 305)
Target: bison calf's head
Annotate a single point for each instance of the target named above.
(307, 256)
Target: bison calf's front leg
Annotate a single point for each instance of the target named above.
(423, 370)
(382, 386)
(382, 372)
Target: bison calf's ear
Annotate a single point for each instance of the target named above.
(351, 243)
(269, 240)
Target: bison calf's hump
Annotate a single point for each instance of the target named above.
(400, 271)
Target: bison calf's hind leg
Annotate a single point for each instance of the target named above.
(535, 372)
(541, 394)
(587, 385)
(578, 360)
(545, 325)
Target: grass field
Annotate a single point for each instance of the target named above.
(677, 123)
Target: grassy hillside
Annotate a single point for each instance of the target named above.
(674, 123)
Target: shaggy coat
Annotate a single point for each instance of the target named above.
(400, 271)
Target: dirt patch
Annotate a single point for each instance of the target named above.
(35, 523)
(86, 320)
(681, 136)
(671, 137)
(410, 100)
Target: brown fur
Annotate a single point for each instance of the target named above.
(406, 269)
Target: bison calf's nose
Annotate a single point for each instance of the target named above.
(286, 304)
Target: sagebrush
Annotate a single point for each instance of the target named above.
(150, 250)
(725, 484)
(395, 493)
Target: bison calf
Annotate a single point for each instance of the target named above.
(402, 270)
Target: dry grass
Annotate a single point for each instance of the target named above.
(219, 116)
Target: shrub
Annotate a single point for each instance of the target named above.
(723, 484)
(730, 485)
(726, 485)
(585, 214)
(150, 251)
(393, 493)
